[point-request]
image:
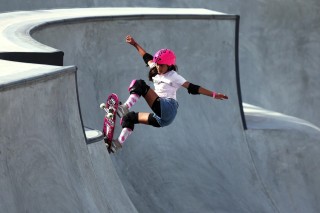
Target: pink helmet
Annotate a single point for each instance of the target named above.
(164, 56)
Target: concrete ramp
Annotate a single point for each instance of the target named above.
(204, 162)
(45, 162)
(177, 168)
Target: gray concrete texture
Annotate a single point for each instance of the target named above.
(106, 63)
(279, 47)
(45, 163)
(203, 162)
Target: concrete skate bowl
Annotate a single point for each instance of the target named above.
(279, 46)
(204, 162)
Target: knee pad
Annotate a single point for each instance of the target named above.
(138, 87)
(129, 120)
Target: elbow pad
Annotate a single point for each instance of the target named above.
(193, 89)
(147, 57)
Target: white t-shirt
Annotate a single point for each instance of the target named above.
(166, 85)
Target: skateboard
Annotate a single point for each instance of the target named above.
(110, 108)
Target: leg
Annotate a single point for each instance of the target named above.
(132, 118)
(143, 117)
(150, 97)
(137, 89)
(127, 123)
(148, 119)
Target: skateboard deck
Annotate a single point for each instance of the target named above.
(110, 107)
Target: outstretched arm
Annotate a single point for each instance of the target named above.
(146, 56)
(131, 41)
(194, 89)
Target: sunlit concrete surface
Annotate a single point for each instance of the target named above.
(204, 162)
(259, 118)
(279, 46)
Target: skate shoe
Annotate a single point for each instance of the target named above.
(122, 110)
(115, 145)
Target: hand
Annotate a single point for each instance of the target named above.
(130, 40)
(220, 96)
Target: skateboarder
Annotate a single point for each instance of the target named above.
(162, 100)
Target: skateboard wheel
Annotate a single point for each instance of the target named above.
(102, 106)
(109, 115)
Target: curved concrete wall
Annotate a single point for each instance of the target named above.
(44, 167)
(98, 48)
(203, 166)
(279, 46)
